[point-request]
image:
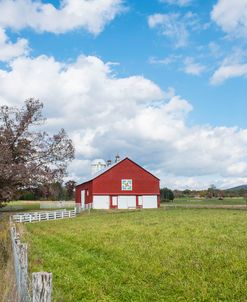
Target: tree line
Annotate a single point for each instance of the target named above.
(212, 192)
(50, 191)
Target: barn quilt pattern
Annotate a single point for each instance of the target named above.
(126, 184)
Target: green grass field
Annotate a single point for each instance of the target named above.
(26, 206)
(17, 206)
(209, 201)
(152, 255)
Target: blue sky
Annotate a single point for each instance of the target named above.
(167, 80)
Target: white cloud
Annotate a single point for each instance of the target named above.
(198, 183)
(190, 66)
(106, 114)
(231, 67)
(175, 26)
(231, 16)
(177, 2)
(193, 68)
(165, 61)
(225, 72)
(72, 14)
(9, 50)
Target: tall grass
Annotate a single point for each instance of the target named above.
(7, 274)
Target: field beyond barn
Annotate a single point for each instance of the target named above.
(151, 255)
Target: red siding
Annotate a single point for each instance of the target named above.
(111, 205)
(88, 186)
(143, 183)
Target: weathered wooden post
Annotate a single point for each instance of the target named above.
(17, 262)
(23, 271)
(42, 287)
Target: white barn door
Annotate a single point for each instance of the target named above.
(101, 202)
(150, 202)
(125, 202)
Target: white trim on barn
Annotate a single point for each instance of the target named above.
(125, 201)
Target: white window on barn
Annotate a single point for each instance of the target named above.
(114, 200)
(126, 184)
(140, 201)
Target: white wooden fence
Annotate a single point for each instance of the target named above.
(43, 216)
(87, 207)
(40, 287)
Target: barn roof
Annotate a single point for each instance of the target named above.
(112, 166)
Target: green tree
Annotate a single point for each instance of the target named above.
(70, 189)
(166, 195)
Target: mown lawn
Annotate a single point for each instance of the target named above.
(152, 255)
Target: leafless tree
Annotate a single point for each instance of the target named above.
(29, 157)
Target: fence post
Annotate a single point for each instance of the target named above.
(42, 287)
(23, 271)
(18, 263)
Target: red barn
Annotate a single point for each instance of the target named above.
(123, 185)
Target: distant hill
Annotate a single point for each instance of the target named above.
(243, 187)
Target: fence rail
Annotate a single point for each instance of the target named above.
(37, 290)
(43, 216)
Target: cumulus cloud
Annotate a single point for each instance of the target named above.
(72, 14)
(175, 26)
(9, 50)
(231, 16)
(177, 2)
(106, 114)
(231, 67)
(193, 68)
